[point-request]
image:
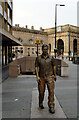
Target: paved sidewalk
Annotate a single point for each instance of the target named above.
(36, 112)
(19, 96)
(16, 96)
(66, 91)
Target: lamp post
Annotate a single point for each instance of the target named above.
(37, 42)
(69, 42)
(55, 50)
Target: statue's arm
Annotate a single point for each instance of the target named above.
(54, 71)
(37, 74)
(54, 67)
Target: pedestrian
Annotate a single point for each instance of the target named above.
(46, 74)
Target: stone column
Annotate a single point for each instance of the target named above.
(5, 55)
(78, 48)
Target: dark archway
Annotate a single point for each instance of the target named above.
(49, 48)
(75, 46)
(60, 46)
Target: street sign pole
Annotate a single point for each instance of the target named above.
(37, 41)
(37, 49)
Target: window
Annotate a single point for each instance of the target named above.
(39, 51)
(21, 50)
(8, 13)
(32, 50)
(3, 55)
(28, 51)
(31, 41)
(59, 29)
(20, 39)
(4, 24)
(8, 28)
(0, 21)
(4, 5)
(0, 55)
(41, 41)
(16, 49)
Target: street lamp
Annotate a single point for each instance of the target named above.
(55, 50)
(69, 42)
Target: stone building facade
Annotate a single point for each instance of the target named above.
(28, 37)
(66, 39)
(7, 40)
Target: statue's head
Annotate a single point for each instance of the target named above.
(45, 49)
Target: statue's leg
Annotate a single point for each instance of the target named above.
(50, 85)
(41, 88)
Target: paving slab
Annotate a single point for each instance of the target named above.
(28, 76)
(36, 112)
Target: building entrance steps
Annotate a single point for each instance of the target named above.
(36, 112)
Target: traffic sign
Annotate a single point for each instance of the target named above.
(37, 41)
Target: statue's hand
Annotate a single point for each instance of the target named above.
(38, 79)
(55, 78)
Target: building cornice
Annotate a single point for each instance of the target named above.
(62, 26)
(29, 30)
(34, 45)
(75, 32)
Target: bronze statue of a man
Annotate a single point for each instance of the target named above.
(46, 74)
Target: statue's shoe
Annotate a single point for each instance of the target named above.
(52, 110)
(41, 106)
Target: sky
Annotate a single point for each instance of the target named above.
(41, 13)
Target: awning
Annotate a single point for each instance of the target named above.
(8, 39)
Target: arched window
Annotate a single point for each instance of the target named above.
(49, 48)
(60, 47)
(28, 51)
(75, 45)
(32, 50)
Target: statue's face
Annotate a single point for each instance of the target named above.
(45, 50)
